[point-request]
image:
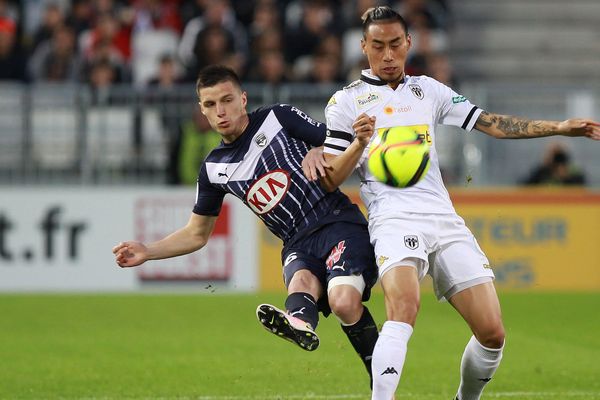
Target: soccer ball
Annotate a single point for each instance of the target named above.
(399, 156)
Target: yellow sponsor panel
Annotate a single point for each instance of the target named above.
(534, 239)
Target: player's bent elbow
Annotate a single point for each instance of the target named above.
(199, 244)
(196, 239)
(328, 185)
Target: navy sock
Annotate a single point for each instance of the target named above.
(363, 336)
(303, 306)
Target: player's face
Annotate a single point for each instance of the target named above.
(224, 105)
(386, 47)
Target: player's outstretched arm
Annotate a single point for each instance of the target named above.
(508, 127)
(186, 240)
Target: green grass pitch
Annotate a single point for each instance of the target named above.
(210, 347)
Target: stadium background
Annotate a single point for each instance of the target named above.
(95, 100)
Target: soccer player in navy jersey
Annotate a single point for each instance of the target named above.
(328, 261)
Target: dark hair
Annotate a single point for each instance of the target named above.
(166, 58)
(213, 74)
(560, 157)
(379, 14)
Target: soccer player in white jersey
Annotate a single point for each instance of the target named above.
(416, 231)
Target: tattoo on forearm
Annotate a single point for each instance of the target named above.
(485, 120)
(513, 127)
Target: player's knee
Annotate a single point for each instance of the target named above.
(345, 297)
(403, 308)
(303, 281)
(492, 337)
(346, 306)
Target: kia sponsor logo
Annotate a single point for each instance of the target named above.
(267, 191)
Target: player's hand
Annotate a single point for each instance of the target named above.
(364, 126)
(130, 254)
(314, 164)
(580, 127)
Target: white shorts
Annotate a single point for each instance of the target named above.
(440, 245)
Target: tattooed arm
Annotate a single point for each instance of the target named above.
(508, 127)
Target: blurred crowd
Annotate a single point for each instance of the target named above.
(556, 168)
(166, 42)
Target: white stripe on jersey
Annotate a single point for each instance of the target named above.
(289, 162)
(221, 173)
(336, 146)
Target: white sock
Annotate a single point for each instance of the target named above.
(476, 369)
(388, 358)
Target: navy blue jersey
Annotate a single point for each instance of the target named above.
(263, 168)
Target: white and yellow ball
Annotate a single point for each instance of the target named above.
(399, 156)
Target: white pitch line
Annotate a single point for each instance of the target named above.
(292, 397)
(498, 395)
(312, 396)
(594, 395)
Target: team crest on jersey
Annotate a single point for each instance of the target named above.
(417, 91)
(260, 139)
(268, 191)
(332, 101)
(411, 241)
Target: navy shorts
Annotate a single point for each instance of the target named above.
(338, 249)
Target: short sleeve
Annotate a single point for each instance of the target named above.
(454, 109)
(339, 116)
(209, 198)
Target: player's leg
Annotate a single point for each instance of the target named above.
(304, 290)
(480, 308)
(345, 295)
(402, 299)
(297, 323)
(461, 273)
(401, 256)
(349, 265)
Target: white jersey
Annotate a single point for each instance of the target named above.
(420, 102)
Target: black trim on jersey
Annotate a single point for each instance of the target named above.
(376, 82)
(468, 119)
(335, 147)
(340, 135)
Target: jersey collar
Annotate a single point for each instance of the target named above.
(368, 77)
